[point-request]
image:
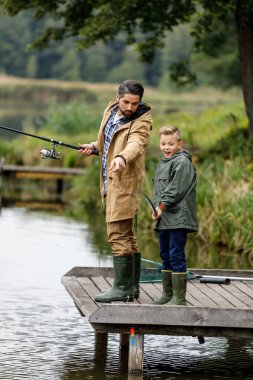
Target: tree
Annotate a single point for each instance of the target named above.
(94, 20)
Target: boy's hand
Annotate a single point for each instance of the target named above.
(158, 214)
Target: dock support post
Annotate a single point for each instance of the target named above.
(136, 351)
(124, 342)
(59, 188)
(101, 340)
(123, 351)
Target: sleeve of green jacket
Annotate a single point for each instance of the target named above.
(181, 179)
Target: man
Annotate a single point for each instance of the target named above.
(121, 143)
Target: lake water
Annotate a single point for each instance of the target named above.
(43, 336)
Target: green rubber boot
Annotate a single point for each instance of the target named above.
(167, 288)
(122, 289)
(136, 274)
(179, 288)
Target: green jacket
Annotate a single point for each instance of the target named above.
(175, 187)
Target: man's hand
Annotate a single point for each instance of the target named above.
(86, 149)
(118, 165)
(158, 214)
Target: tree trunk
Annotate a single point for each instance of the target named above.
(244, 22)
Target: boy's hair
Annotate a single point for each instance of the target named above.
(170, 130)
(130, 86)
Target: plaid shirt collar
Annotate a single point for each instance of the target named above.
(110, 128)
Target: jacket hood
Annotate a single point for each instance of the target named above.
(183, 152)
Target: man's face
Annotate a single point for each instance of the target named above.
(170, 145)
(128, 104)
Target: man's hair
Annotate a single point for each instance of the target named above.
(130, 86)
(170, 130)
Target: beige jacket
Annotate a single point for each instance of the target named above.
(129, 141)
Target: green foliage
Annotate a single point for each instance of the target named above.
(225, 217)
(181, 73)
(161, 35)
(71, 119)
(85, 192)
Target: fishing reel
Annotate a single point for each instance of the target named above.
(47, 154)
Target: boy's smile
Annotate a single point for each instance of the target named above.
(169, 144)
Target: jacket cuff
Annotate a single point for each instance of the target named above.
(119, 155)
(162, 206)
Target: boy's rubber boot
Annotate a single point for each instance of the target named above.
(136, 274)
(167, 288)
(179, 281)
(122, 289)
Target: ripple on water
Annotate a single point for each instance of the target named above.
(43, 337)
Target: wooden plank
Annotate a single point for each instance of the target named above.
(199, 295)
(89, 287)
(191, 296)
(144, 297)
(136, 352)
(190, 300)
(173, 316)
(90, 272)
(110, 280)
(42, 169)
(159, 286)
(101, 283)
(73, 287)
(82, 300)
(108, 271)
(215, 296)
(205, 331)
(227, 292)
(43, 176)
(245, 292)
(86, 305)
(151, 290)
(250, 286)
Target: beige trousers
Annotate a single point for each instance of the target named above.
(122, 238)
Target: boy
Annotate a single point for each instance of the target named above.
(175, 201)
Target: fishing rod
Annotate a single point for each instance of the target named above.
(46, 153)
(208, 279)
(150, 203)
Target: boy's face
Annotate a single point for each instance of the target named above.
(170, 145)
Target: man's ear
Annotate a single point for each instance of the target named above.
(117, 96)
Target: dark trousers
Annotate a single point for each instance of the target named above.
(172, 249)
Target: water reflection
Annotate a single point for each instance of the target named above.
(16, 114)
(44, 337)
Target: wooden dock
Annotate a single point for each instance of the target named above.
(38, 172)
(58, 174)
(212, 309)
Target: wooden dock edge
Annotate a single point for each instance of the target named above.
(153, 319)
(188, 316)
